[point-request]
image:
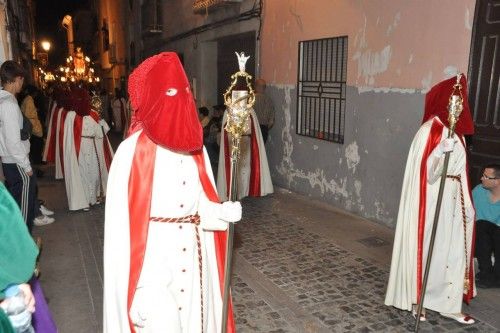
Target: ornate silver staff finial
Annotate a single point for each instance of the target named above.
(242, 61)
(455, 104)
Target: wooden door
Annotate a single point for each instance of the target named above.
(484, 92)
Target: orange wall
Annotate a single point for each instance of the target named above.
(392, 43)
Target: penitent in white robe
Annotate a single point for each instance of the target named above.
(118, 107)
(168, 294)
(244, 163)
(445, 287)
(83, 178)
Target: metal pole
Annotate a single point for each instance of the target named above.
(233, 195)
(455, 108)
(433, 237)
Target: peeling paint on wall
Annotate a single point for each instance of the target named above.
(287, 168)
(364, 89)
(394, 24)
(468, 20)
(372, 63)
(426, 82)
(357, 187)
(450, 71)
(352, 156)
(381, 213)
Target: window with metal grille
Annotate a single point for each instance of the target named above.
(321, 88)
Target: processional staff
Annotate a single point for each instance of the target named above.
(455, 107)
(238, 104)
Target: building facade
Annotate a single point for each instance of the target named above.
(110, 42)
(17, 33)
(348, 79)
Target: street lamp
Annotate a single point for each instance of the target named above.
(45, 45)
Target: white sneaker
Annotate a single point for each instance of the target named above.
(45, 211)
(43, 220)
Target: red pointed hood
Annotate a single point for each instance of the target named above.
(163, 104)
(80, 101)
(436, 104)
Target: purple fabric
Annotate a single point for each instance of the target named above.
(42, 320)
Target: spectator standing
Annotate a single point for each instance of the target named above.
(30, 111)
(486, 198)
(264, 108)
(119, 105)
(13, 151)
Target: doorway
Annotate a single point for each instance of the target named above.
(484, 92)
(227, 63)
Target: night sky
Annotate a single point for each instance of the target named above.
(48, 17)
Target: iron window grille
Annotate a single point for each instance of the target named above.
(321, 85)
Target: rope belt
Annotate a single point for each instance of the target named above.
(88, 137)
(189, 219)
(464, 221)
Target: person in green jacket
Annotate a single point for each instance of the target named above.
(18, 253)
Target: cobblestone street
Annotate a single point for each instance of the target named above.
(300, 266)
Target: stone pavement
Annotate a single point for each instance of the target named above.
(299, 266)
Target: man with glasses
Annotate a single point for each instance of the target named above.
(486, 198)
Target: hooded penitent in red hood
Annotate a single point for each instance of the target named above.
(436, 104)
(164, 106)
(80, 101)
(164, 109)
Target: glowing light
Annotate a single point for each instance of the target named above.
(45, 45)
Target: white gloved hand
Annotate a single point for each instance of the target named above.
(444, 146)
(230, 211)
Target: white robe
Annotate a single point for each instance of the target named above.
(166, 299)
(116, 106)
(81, 173)
(244, 164)
(100, 144)
(445, 284)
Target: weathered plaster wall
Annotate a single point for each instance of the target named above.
(397, 50)
(364, 174)
(392, 43)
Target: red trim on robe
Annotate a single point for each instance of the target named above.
(51, 138)
(140, 186)
(432, 141)
(254, 183)
(108, 155)
(220, 237)
(94, 115)
(470, 293)
(77, 134)
(254, 186)
(61, 138)
(140, 196)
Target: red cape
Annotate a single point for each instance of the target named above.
(140, 195)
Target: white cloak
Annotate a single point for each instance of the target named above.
(445, 286)
(116, 106)
(82, 173)
(167, 298)
(244, 163)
